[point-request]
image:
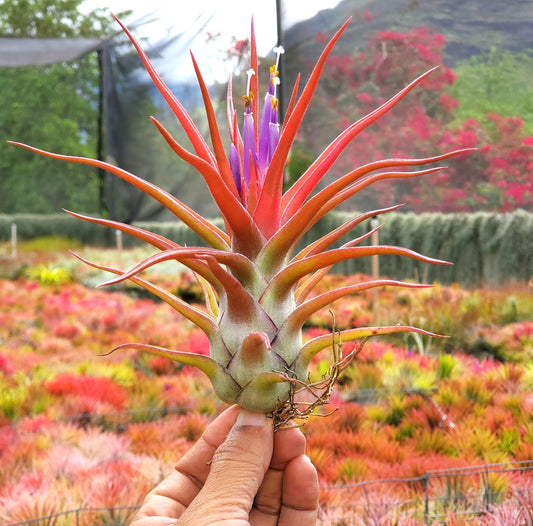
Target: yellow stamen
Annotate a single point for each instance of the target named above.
(248, 99)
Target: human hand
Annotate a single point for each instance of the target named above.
(239, 473)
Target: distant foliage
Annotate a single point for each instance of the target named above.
(53, 106)
(498, 82)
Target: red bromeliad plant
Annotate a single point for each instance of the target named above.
(257, 290)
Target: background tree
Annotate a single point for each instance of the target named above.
(480, 112)
(53, 107)
(496, 82)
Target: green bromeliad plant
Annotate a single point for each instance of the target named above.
(258, 291)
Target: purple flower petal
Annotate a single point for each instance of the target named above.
(235, 166)
(264, 140)
(273, 135)
(248, 139)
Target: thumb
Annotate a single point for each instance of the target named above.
(236, 472)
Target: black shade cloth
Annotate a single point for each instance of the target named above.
(19, 52)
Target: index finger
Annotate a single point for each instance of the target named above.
(174, 494)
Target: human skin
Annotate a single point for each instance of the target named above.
(239, 473)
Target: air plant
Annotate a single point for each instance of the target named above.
(257, 289)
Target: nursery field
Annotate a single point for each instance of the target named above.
(83, 431)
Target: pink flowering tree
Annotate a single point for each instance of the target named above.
(496, 178)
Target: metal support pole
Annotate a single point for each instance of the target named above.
(100, 138)
(279, 30)
(13, 240)
(426, 498)
(118, 239)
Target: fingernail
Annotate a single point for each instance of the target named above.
(306, 458)
(248, 418)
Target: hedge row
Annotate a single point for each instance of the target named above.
(30, 226)
(485, 248)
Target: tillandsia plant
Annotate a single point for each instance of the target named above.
(258, 291)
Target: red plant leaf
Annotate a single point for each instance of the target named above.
(327, 240)
(204, 321)
(220, 153)
(282, 283)
(298, 317)
(192, 219)
(294, 228)
(299, 192)
(292, 101)
(154, 239)
(200, 146)
(212, 369)
(237, 218)
(314, 346)
(267, 214)
(254, 83)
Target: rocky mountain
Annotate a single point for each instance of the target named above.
(469, 26)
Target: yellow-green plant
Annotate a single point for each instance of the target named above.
(49, 244)
(12, 399)
(48, 274)
(257, 289)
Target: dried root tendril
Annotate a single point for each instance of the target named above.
(292, 410)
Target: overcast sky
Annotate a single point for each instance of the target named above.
(231, 16)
